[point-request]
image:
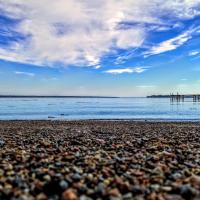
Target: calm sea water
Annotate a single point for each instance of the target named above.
(98, 108)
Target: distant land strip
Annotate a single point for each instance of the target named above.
(51, 96)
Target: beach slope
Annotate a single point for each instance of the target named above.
(86, 160)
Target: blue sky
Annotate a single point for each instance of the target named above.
(112, 48)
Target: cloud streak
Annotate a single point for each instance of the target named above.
(193, 53)
(170, 44)
(25, 73)
(81, 33)
(128, 70)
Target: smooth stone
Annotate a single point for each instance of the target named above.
(77, 177)
(47, 178)
(128, 196)
(41, 196)
(187, 191)
(100, 188)
(166, 188)
(64, 184)
(69, 195)
(2, 143)
(84, 197)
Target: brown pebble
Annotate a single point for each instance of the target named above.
(69, 195)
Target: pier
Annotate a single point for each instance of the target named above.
(181, 98)
(178, 97)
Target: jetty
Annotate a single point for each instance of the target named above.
(178, 97)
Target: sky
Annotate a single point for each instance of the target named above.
(100, 48)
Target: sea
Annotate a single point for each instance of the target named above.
(78, 108)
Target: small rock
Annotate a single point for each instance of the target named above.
(41, 196)
(195, 180)
(64, 184)
(168, 154)
(187, 191)
(155, 187)
(2, 143)
(77, 177)
(47, 178)
(69, 195)
(45, 143)
(90, 177)
(137, 190)
(114, 192)
(173, 197)
(84, 197)
(176, 176)
(128, 196)
(100, 188)
(166, 188)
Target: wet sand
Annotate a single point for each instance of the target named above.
(86, 160)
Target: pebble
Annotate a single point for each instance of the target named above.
(128, 196)
(187, 192)
(47, 178)
(64, 184)
(41, 196)
(84, 197)
(2, 143)
(166, 188)
(195, 180)
(69, 195)
(76, 177)
(100, 188)
(114, 192)
(176, 176)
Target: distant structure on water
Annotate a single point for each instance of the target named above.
(178, 97)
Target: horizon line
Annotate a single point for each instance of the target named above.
(66, 96)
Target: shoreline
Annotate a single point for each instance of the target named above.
(111, 120)
(99, 159)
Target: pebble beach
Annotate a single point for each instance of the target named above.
(111, 160)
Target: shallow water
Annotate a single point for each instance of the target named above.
(98, 108)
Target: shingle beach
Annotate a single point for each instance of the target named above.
(111, 160)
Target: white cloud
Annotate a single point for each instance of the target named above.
(97, 67)
(128, 70)
(170, 44)
(25, 73)
(76, 32)
(193, 53)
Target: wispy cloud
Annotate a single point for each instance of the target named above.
(193, 53)
(170, 44)
(24, 73)
(83, 32)
(97, 67)
(128, 70)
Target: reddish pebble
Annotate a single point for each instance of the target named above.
(69, 195)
